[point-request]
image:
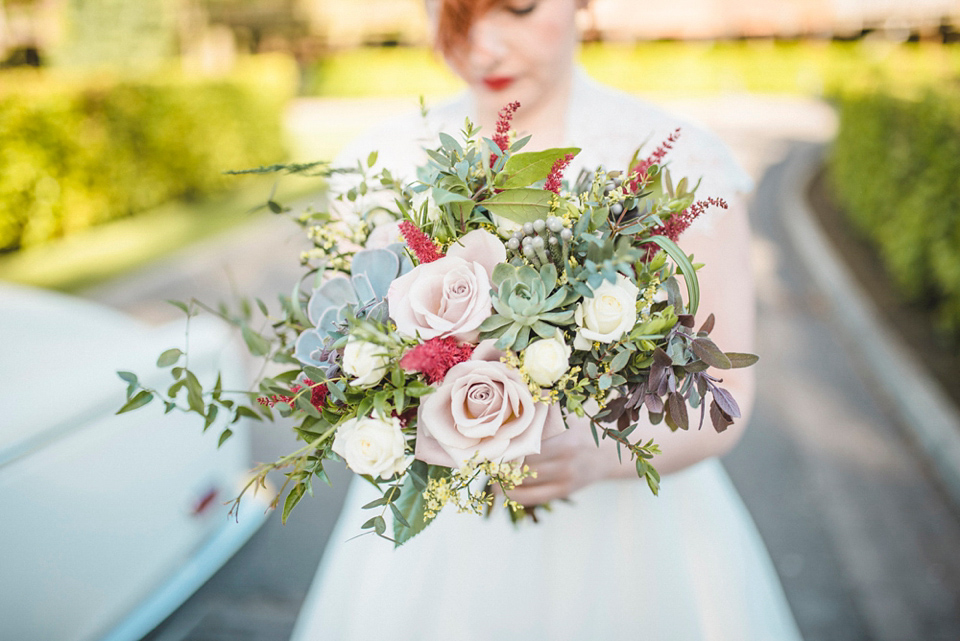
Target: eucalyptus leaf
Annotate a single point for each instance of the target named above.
(181, 306)
(257, 344)
(169, 357)
(211, 417)
(450, 143)
(243, 411)
(620, 361)
(292, 499)
(140, 399)
(444, 196)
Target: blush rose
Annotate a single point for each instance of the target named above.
(449, 296)
(483, 411)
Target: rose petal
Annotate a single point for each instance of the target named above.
(480, 246)
(429, 451)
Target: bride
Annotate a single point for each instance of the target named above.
(610, 561)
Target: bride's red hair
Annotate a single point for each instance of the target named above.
(454, 19)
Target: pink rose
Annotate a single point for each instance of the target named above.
(480, 246)
(384, 234)
(449, 296)
(483, 410)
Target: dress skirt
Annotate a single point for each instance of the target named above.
(615, 562)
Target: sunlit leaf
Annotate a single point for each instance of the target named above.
(140, 399)
(169, 357)
(524, 169)
(520, 205)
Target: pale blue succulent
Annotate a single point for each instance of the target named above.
(362, 294)
(525, 301)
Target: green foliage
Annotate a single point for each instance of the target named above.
(135, 35)
(79, 153)
(668, 67)
(895, 170)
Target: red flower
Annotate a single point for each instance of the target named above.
(678, 223)
(419, 243)
(502, 137)
(640, 169)
(318, 395)
(556, 172)
(434, 357)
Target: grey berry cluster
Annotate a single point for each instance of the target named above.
(535, 238)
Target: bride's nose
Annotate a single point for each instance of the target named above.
(487, 46)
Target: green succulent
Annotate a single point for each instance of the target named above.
(525, 301)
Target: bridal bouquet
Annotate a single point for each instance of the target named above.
(444, 328)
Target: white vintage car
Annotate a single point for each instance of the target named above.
(107, 522)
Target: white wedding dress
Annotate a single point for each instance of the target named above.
(615, 562)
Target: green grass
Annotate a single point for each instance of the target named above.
(106, 251)
(677, 68)
(379, 71)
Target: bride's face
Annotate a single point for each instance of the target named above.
(518, 50)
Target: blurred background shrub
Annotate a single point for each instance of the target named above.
(677, 68)
(79, 151)
(895, 170)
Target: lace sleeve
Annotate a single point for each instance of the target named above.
(610, 125)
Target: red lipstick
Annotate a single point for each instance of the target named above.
(497, 83)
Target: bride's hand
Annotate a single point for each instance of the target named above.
(568, 462)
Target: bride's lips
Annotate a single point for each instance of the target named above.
(497, 83)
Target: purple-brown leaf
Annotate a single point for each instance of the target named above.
(677, 409)
(726, 402)
(720, 420)
(707, 351)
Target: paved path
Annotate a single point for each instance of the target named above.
(864, 540)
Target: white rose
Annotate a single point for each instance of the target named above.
(365, 361)
(379, 218)
(383, 235)
(505, 226)
(547, 359)
(433, 209)
(608, 315)
(371, 445)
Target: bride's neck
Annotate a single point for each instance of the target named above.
(545, 120)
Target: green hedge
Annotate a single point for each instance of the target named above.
(895, 168)
(76, 153)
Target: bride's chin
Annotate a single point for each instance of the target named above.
(489, 101)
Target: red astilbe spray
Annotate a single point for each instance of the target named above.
(434, 357)
(556, 173)
(678, 223)
(502, 137)
(419, 243)
(318, 395)
(641, 168)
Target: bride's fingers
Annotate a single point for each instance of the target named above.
(547, 472)
(539, 494)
